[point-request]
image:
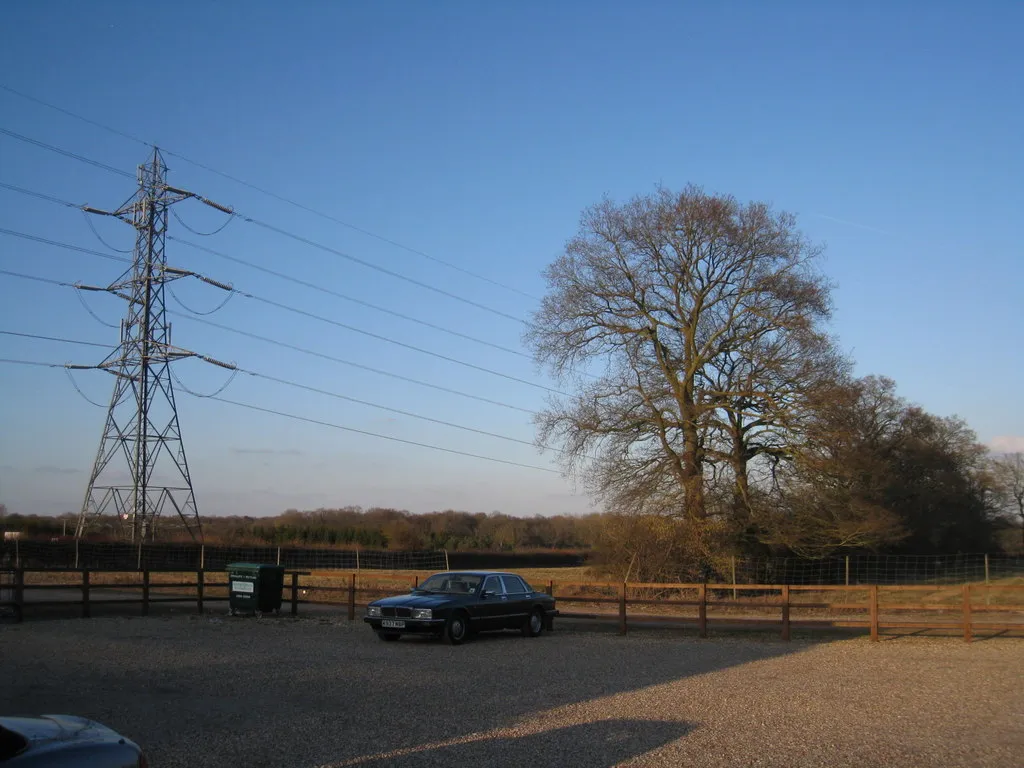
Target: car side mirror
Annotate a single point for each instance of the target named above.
(486, 594)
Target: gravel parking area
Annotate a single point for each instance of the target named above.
(212, 691)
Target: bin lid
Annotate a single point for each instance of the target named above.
(244, 567)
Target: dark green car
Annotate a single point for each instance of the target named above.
(456, 604)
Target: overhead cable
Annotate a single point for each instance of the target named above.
(274, 195)
(383, 437)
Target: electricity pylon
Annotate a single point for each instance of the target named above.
(141, 466)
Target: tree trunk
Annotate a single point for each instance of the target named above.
(693, 464)
(741, 487)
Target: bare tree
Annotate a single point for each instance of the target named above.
(832, 492)
(657, 294)
(786, 370)
(1009, 480)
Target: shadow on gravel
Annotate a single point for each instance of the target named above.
(203, 691)
(595, 745)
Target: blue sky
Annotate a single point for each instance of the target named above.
(477, 133)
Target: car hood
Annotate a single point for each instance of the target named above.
(56, 732)
(418, 601)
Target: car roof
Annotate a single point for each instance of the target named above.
(476, 573)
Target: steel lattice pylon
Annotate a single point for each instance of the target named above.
(141, 466)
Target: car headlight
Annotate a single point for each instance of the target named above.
(373, 610)
(422, 613)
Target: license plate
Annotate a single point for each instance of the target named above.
(392, 624)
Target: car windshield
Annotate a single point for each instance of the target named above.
(450, 583)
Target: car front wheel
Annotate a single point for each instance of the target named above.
(456, 630)
(534, 623)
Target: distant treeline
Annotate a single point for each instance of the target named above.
(375, 528)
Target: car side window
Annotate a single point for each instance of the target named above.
(514, 585)
(491, 584)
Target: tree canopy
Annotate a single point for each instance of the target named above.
(692, 331)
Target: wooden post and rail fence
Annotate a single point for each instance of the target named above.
(988, 608)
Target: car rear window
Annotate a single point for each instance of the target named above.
(514, 585)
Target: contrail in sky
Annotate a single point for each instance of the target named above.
(852, 223)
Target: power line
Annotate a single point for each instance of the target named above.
(30, 362)
(388, 340)
(335, 426)
(88, 220)
(355, 228)
(321, 318)
(54, 338)
(217, 231)
(82, 394)
(283, 276)
(360, 366)
(382, 270)
(389, 409)
(216, 392)
(275, 195)
(344, 297)
(40, 195)
(74, 115)
(317, 390)
(66, 153)
(382, 437)
(187, 308)
(298, 385)
(304, 350)
(36, 278)
(68, 246)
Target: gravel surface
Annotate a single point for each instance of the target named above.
(213, 691)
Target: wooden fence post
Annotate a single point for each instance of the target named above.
(85, 594)
(702, 610)
(415, 581)
(295, 593)
(785, 612)
(967, 613)
(873, 598)
(987, 591)
(847, 570)
(352, 598)
(551, 588)
(622, 609)
(200, 578)
(733, 560)
(145, 593)
(19, 585)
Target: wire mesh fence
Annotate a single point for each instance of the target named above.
(873, 569)
(850, 570)
(169, 557)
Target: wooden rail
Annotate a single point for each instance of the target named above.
(873, 613)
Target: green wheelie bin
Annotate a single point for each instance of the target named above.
(254, 588)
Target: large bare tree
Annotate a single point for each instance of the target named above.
(1008, 473)
(648, 307)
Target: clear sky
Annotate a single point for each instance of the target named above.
(476, 133)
